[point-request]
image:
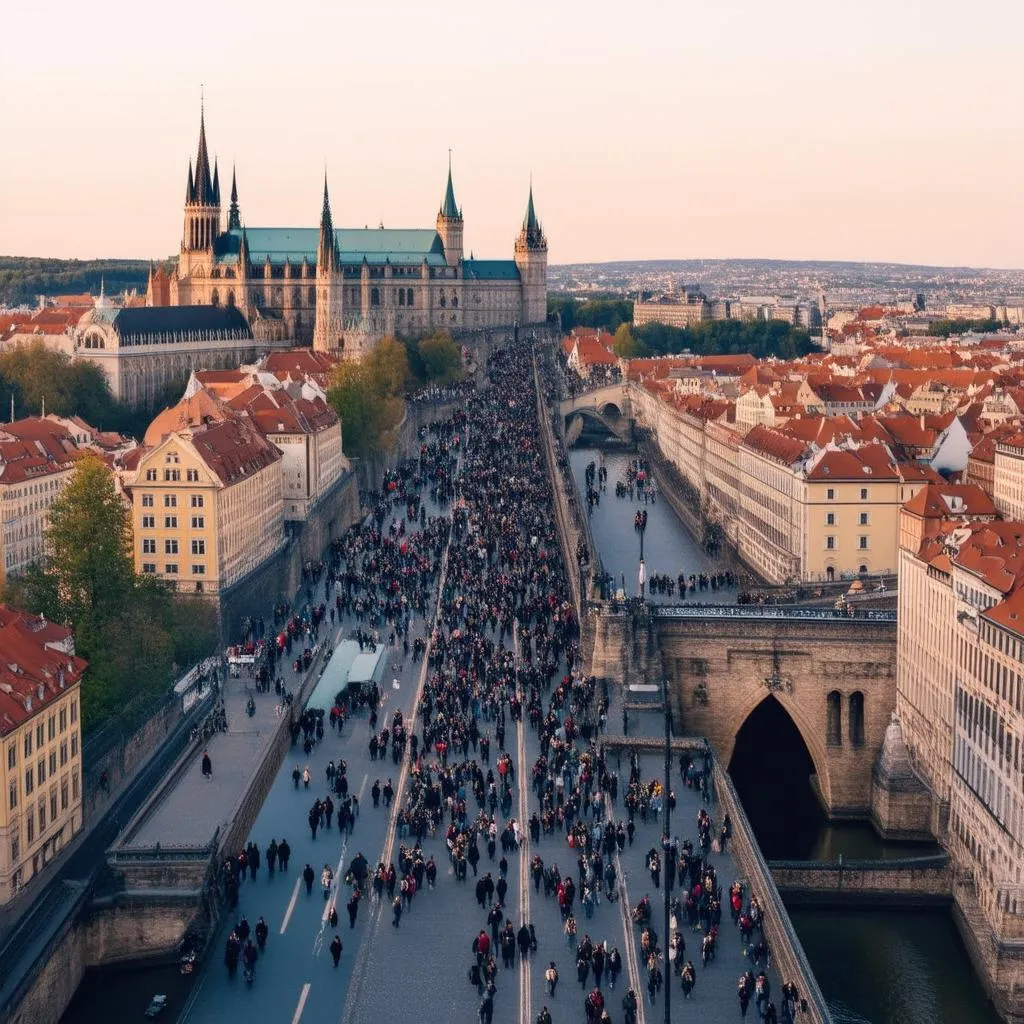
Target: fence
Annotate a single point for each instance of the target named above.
(742, 611)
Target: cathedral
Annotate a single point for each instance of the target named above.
(342, 289)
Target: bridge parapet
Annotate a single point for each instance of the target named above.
(910, 880)
(784, 612)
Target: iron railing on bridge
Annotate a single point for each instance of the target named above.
(747, 611)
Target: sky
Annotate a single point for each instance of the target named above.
(886, 130)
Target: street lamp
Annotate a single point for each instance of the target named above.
(667, 715)
(640, 525)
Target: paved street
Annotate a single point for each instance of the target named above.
(419, 971)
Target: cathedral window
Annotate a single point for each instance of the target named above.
(214, 298)
(455, 301)
(408, 297)
(311, 295)
(231, 299)
(401, 296)
(374, 296)
(444, 301)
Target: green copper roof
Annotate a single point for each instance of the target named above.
(450, 209)
(375, 245)
(490, 270)
(530, 222)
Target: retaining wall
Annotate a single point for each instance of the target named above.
(916, 881)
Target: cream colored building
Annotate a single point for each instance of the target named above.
(961, 708)
(674, 314)
(207, 504)
(40, 746)
(1008, 478)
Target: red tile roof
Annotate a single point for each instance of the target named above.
(775, 445)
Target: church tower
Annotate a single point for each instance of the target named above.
(449, 223)
(327, 330)
(202, 209)
(532, 261)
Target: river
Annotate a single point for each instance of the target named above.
(875, 966)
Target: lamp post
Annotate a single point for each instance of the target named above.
(640, 525)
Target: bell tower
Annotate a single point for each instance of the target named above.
(202, 207)
(531, 255)
(449, 223)
(327, 329)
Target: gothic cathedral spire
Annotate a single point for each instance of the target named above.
(234, 216)
(449, 222)
(327, 251)
(327, 326)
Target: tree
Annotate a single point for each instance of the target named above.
(624, 345)
(352, 396)
(441, 358)
(388, 368)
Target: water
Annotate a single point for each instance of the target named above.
(901, 966)
(133, 985)
(884, 967)
(669, 547)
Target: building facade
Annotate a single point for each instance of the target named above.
(40, 740)
(207, 504)
(342, 289)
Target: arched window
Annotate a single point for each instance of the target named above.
(401, 296)
(444, 301)
(455, 301)
(857, 718)
(834, 719)
(830, 573)
(296, 296)
(311, 295)
(408, 297)
(863, 570)
(231, 298)
(215, 272)
(214, 298)
(374, 296)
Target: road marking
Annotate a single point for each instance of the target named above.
(291, 905)
(303, 996)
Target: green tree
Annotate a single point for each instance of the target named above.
(388, 368)
(441, 358)
(354, 399)
(625, 345)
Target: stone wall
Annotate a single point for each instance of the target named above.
(916, 881)
(720, 670)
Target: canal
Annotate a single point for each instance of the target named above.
(898, 966)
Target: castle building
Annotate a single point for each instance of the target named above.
(342, 289)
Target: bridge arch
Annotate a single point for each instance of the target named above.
(610, 411)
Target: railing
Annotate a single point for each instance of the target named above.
(742, 611)
(140, 854)
(935, 860)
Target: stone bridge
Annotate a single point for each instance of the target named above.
(609, 405)
(835, 678)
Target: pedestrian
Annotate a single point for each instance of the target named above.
(309, 876)
(332, 917)
(551, 978)
(336, 949)
(353, 908)
(207, 766)
(396, 907)
(284, 852)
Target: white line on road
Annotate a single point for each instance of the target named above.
(303, 996)
(632, 966)
(291, 905)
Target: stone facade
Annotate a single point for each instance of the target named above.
(344, 289)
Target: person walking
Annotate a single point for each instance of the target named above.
(336, 949)
(396, 907)
(284, 852)
(353, 908)
(309, 876)
(207, 766)
(551, 978)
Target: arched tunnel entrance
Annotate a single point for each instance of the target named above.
(771, 769)
(611, 411)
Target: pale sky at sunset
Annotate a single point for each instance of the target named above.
(875, 130)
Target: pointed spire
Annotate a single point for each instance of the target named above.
(203, 182)
(449, 208)
(216, 182)
(327, 251)
(190, 188)
(234, 218)
(532, 232)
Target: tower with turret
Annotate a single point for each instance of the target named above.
(531, 255)
(328, 325)
(202, 209)
(449, 223)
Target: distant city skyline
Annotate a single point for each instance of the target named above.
(782, 131)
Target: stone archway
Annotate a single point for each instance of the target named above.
(610, 411)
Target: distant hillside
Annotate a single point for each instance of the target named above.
(23, 278)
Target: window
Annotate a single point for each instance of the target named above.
(40, 738)
(74, 744)
(74, 711)
(863, 543)
(42, 813)
(151, 474)
(15, 849)
(197, 501)
(64, 753)
(149, 568)
(171, 457)
(12, 756)
(830, 543)
(31, 827)
(863, 519)
(374, 296)
(170, 522)
(147, 501)
(149, 522)
(172, 475)
(170, 501)
(198, 570)
(198, 522)
(63, 719)
(53, 804)
(834, 719)
(830, 494)
(199, 547)
(863, 494)
(28, 743)
(170, 547)
(64, 793)
(41, 771)
(148, 546)
(53, 763)
(192, 475)
(30, 782)
(51, 727)
(74, 784)
(830, 519)
(12, 795)
(857, 718)
(171, 569)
